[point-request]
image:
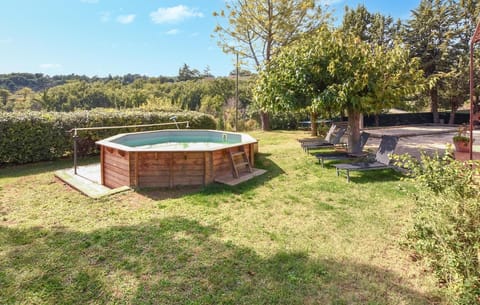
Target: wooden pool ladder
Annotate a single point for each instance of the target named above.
(238, 160)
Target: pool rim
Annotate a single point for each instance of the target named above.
(107, 142)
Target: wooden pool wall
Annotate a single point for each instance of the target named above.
(141, 169)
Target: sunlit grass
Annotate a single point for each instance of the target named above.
(296, 235)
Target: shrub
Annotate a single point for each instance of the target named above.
(39, 136)
(446, 231)
(250, 125)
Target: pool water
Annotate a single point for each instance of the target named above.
(182, 145)
(175, 140)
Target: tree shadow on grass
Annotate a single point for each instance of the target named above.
(178, 261)
(374, 176)
(261, 161)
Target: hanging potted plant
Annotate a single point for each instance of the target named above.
(461, 140)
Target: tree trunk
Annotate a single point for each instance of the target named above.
(354, 137)
(454, 103)
(451, 120)
(377, 120)
(434, 104)
(265, 120)
(313, 123)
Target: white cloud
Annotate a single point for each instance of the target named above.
(173, 32)
(126, 19)
(89, 1)
(174, 14)
(50, 66)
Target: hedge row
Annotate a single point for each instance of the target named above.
(41, 136)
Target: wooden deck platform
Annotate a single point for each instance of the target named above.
(87, 181)
(232, 181)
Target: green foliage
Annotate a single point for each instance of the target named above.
(208, 94)
(36, 136)
(374, 28)
(286, 120)
(446, 222)
(186, 73)
(39, 82)
(438, 33)
(461, 135)
(313, 73)
(258, 31)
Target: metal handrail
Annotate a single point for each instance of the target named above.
(75, 134)
(128, 126)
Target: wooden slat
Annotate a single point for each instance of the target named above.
(115, 169)
(251, 150)
(153, 162)
(116, 162)
(205, 168)
(170, 170)
(183, 180)
(114, 158)
(189, 161)
(123, 167)
(161, 181)
(187, 167)
(211, 175)
(114, 181)
(130, 169)
(116, 154)
(102, 169)
(188, 155)
(135, 179)
(163, 173)
(156, 183)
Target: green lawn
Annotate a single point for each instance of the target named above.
(296, 235)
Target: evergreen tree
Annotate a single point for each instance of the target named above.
(433, 34)
(186, 73)
(374, 28)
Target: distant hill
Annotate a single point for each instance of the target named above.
(39, 82)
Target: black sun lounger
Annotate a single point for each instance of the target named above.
(340, 155)
(382, 158)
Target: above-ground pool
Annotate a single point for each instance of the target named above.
(169, 158)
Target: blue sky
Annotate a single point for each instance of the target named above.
(102, 37)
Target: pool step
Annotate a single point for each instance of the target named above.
(231, 181)
(239, 160)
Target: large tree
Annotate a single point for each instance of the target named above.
(433, 34)
(374, 28)
(313, 73)
(258, 29)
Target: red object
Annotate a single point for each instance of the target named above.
(462, 146)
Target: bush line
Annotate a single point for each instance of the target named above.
(40, 136)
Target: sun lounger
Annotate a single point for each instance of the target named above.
(382, 158)
(317, 140)
(340, 155)
(331, 141)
